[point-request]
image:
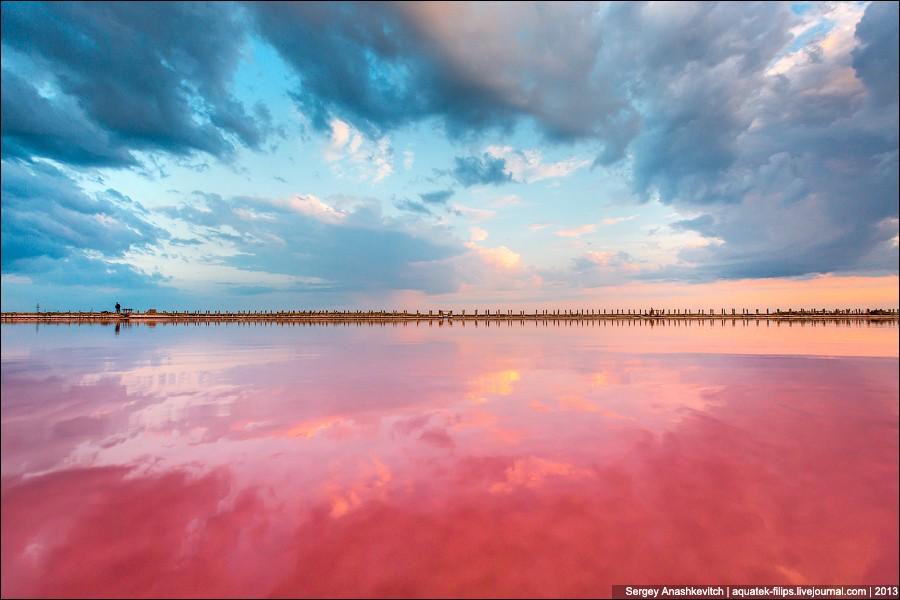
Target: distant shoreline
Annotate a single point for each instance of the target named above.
(396, 316)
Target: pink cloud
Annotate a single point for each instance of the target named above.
(576, 231)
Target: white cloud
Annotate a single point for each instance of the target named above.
(600, 258)
(538, 226)
(246, 214)
(13, 278)
(314, 207)
(617, 261)
(382, 159)
(616, 220)
(890, 225)
(475, 214)
(841, 19)
(352, 154)
(477, 234)
(340, 135)
(528, 166)
(702, 242)
(500, 257)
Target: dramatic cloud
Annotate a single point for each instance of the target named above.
(757, 141)
(706, 120)
(135, 76)
(470, 65)
(34, 125)
(875, 59)
(809, 174)
(56, 231)
(358, 251)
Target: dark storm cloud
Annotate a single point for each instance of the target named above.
(876, 58)
(778, 166)
(810, 187)
(483, 170)
(791, 174)
(382, 66)
(575, 71)
(33, 125)
(130, 76)
(694, 69)
(364, 62)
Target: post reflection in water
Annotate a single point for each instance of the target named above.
(406, 460)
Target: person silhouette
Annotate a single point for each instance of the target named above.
(118, 307)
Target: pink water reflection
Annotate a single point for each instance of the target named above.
(406, 461)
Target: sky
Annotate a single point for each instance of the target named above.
(428, 155)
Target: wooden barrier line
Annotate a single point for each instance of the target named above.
(477, 315)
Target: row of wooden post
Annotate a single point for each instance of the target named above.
(649, 312)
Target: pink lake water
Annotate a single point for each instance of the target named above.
(416, 460)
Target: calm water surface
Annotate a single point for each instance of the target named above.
(423, 460)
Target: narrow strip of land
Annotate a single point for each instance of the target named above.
(320, 316)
